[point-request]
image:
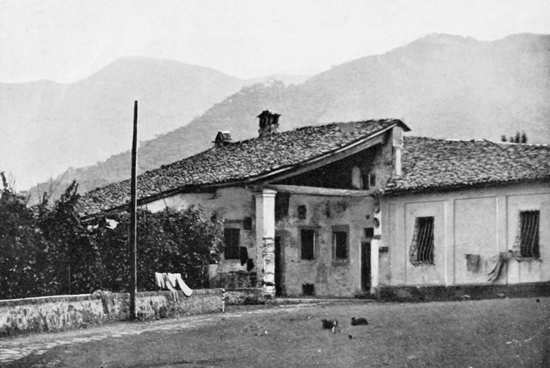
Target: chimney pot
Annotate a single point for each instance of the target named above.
(268, 123)
(222, 138)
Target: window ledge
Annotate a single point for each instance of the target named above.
(527, 259)
(342, 262)
(422, 264)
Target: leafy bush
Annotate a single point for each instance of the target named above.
(49, 250)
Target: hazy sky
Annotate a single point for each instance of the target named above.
(67, 40)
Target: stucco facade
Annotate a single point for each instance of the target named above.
(332, 210)
(323, 213)
(330, 276)
(479, 222)
(233, 204)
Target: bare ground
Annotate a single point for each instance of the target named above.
(487, 333)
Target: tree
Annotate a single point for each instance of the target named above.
(523, 137)
(48, 249)
(23, 267)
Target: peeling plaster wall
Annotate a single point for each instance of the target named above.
(330, 277)
(62, 312)
(232, 204)
(483, 222)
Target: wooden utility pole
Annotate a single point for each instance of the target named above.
(132, 238)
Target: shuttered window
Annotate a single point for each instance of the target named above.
(308, 243)
(231, 243)
(422, 247)
(340, 244)
(529, 234)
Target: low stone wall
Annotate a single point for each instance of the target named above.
(61, 312)
(244, 296)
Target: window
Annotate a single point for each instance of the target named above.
(307, 238)
(281, 205)
(369, 232)
(308, 289)
(356, 178)
(529, 234)
(231, 241)
(302, 212)
(247, 223)
(340, 243)
(372, 180)
(422, 246)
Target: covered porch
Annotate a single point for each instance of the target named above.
(317, 241)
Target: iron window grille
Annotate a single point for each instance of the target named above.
(529, 234)
(422, 246)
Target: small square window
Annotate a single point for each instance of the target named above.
(369, 232)
(231, 243)
(302, 212)
(308, 289)
(529, 234)
(307, 239)
(340, 244)
(422, 246)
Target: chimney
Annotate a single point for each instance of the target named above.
(269, 123)
(397, 148)
(222, 138)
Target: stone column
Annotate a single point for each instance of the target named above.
(265, 240)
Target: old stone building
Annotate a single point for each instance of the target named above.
(345, 208)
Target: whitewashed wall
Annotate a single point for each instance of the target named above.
(480, 221)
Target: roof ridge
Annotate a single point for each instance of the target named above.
(471, 140)
(525, 164)
(322, 125)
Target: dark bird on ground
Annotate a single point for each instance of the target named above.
(359, 321)
(329, 324)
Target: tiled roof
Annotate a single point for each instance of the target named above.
(237, 161)
(429, 164)
(438, 164)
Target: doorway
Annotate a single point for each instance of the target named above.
(279, 289)
(365, 266)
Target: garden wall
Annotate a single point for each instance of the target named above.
(244, 296)
(61, 312)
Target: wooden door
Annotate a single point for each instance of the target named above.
(278, 267)
(365, 266)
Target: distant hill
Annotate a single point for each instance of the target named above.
(441, 85)
(52, 126)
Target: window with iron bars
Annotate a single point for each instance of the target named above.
(529, 234)
(422, 246)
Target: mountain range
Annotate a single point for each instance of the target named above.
(440, 85)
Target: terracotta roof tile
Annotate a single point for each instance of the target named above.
(428, 163)
(237, 161)
(437, 164)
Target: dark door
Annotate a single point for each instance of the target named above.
(278, 267)
(365, 265)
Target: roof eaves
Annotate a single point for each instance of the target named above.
(267, 175)
(451, 187)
